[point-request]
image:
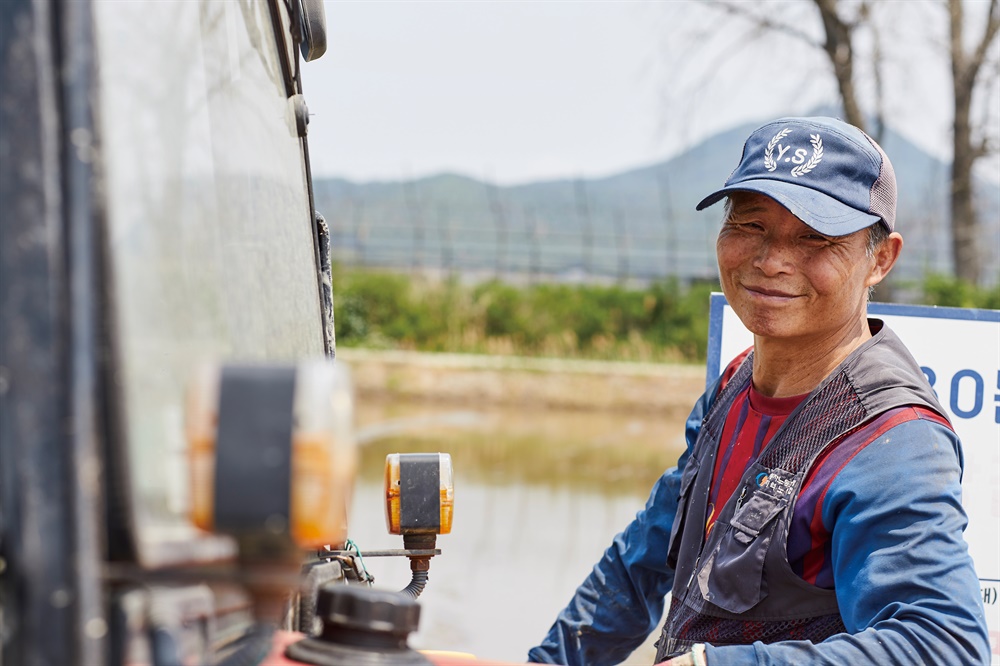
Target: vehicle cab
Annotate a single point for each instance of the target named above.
(166, 339)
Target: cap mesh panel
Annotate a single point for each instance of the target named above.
(883, 192)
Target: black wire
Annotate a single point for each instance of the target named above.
(417, 584)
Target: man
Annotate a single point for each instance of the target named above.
(815, 517)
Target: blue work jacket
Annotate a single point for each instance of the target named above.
(903, 576)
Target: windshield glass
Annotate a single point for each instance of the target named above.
(209, 228)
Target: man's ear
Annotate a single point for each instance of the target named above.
(886, 255)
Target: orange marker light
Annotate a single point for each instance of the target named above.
(323, 453)
(419, 493)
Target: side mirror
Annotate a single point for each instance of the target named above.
(313, 29)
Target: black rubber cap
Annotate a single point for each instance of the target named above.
(361, 627)
(366, 609)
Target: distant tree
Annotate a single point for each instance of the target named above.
(841, 24)
(971, 68)
(975, 68)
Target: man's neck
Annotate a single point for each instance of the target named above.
(784, 368)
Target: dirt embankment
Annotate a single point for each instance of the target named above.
(524, 382)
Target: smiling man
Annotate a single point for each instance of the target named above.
(815, 517)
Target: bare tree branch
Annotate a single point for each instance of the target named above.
(975, 79)
(986, 84)
(955, 24)
(989, 34)
(745, 11)
(840, 49)
(966, 146)
(863, 17)
(878, 131)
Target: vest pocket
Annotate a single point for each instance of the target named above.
(687, 479)
(732, 577)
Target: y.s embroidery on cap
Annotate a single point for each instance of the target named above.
(817, 143)
(799, 156)
(769, 151)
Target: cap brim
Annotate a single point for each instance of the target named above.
(823, 213)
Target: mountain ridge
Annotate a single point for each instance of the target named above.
(638, 223)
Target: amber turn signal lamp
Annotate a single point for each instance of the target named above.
(317, 457)
(419, 493)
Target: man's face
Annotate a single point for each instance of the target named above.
(786, 280)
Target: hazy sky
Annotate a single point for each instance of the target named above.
(517, 91)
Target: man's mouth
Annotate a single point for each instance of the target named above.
(769, 292)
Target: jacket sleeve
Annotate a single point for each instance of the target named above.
(621, 601)
(906, 587)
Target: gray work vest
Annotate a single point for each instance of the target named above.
(737, 586)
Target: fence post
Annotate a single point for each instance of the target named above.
(666, 213)
(413, 213)
(499, 225)
(621, 244)
(583, 215)
(447, 252)
(360, 232)
(534, 265)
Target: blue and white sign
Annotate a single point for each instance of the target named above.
(959, 352)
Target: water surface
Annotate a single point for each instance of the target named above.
(538, 497)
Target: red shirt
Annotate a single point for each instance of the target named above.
(751, 424)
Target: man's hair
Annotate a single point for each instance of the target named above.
(727, 212)
(877, 234)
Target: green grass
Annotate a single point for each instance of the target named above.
(662, 322)
(952, 292)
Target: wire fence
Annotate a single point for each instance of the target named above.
(524, 243)
(516, 234)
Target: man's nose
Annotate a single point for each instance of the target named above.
(774, 256)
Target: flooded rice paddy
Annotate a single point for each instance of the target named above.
(538, 496)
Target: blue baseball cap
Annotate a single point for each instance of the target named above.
(827, 173)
